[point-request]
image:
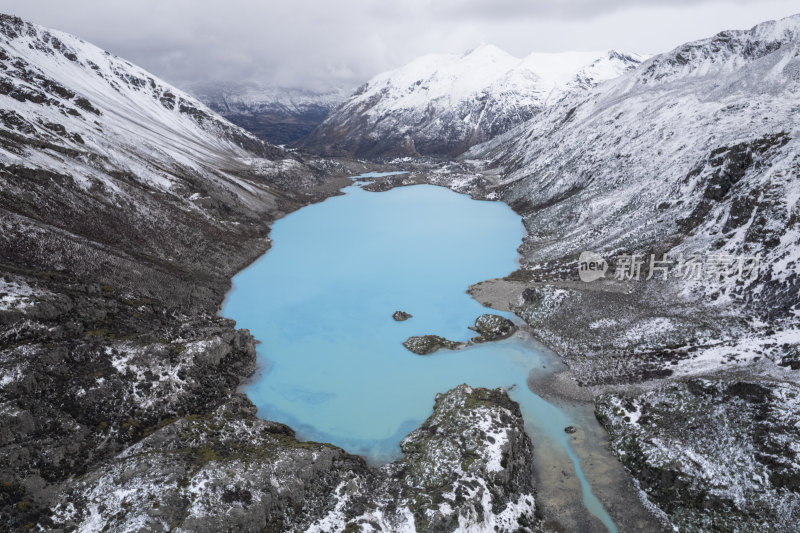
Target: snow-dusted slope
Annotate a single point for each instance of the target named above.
(100, 149)
(696, 155)
(277, 114)
(56, 87)
(442, 104)
(695, 151)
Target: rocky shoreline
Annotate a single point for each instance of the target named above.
(558, 490)
(229, 470)
(120, 410)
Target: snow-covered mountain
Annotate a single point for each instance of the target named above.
(698, 144)
(442, 104)
(52, 79)
(101, 149)
(280, 115)
(125, 208)
(696, 155)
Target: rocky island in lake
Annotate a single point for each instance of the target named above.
(401, 316)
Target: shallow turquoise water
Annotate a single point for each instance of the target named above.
(332, 363)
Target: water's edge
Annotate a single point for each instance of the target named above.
(552, 454)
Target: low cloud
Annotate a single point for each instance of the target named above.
(307, 43)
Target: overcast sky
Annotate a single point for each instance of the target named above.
(317, 43)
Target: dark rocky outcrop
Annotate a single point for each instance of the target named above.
(228, 470)
(427, 344)
(401, 316)
(492, 328)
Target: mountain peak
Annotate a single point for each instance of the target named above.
(725, 52)
(485, 50)
(447, 103)
(782, 29)
(625, 56)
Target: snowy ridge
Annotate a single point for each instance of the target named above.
(440, 104)
(98, 156)
(487, 69)
(57, 87)
(707, 156)
(722, 54)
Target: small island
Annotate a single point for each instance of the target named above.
(427, 344)
(489, 327)
(400, 316)
(492, 328)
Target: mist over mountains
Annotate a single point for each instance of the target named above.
(276, 114)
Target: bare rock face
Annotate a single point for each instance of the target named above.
(467, 466)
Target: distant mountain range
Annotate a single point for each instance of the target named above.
(276, 114)
(442, 104)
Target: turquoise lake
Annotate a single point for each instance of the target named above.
(320, 302)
